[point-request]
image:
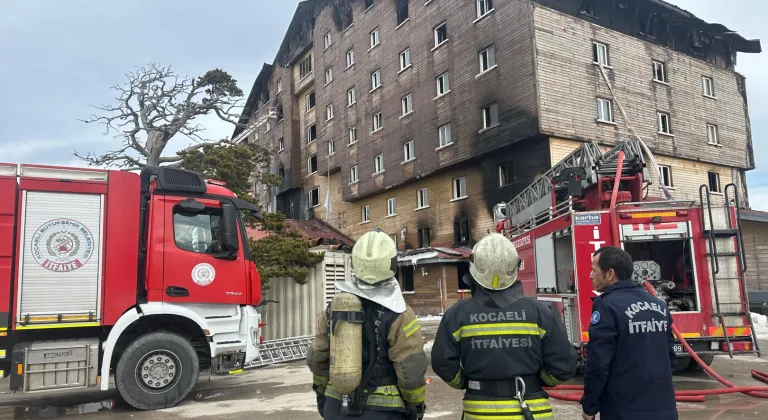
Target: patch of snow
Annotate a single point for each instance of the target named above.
(430, 318)
(428, 347)
(761, 324)
(437, 414)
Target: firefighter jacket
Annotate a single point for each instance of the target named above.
(630, 356)
(484, 343)
(398, 383)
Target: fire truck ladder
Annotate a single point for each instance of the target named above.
(727, 267)
(280, 351)
(588, 162)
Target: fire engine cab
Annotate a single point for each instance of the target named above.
(145, 277)
(692, 253)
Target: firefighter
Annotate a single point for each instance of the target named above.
(500, 346)
(393, 359)
(630, 356)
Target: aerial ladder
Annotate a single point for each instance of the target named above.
(563, 187)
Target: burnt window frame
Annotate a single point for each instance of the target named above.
(424, 235)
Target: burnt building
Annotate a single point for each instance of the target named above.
(417, 117)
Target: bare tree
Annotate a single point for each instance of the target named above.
(156, 104)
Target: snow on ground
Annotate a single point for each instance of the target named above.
(761, 325)
(430, 318)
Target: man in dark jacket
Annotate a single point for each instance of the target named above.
(500, 346)
(630, 356)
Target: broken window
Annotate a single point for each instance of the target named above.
(424, 238)
(406, 275)
(441, 34)
(588, 8)
(714, 182)
(487, 59)
(402, 11)
(483, 7)
(461, 232)
(305, 68)
(709, 86)
(311, 133)
(505, 171)
(666, 176)
(604, 110)
(663, 120)
(712, 134)
(314, 197)
(659, 72)
(600, 53)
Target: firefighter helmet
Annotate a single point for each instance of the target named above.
(374, 257)
(494, 262)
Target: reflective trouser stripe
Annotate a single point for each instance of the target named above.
(505, 409)
(413, 395)
(506, 328)
(387, 396)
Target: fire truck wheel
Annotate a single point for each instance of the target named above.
(706, 358)
(157, 370)
(682, 363)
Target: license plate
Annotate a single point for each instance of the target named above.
(678, 348)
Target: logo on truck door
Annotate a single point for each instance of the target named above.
(62, 245)
(203, 274)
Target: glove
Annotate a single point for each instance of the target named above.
(415, 412)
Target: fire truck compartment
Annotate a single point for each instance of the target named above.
(44, 365)
(60, 265)
(554, 262)
(668, 266)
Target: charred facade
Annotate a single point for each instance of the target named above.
(418, 118)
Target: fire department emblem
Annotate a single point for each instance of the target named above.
(62, 245)
(203, 274)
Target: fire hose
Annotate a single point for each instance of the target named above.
(698, 395)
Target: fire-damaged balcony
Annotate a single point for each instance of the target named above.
(662, 23)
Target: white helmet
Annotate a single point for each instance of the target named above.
(494, 262)
(374, 257)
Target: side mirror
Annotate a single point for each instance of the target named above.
(191, 205)
(231, 215)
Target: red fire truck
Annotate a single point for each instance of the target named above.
(147, 277)
(691, 252)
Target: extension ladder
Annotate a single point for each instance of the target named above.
(282, 350)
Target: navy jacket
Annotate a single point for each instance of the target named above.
(630, 356)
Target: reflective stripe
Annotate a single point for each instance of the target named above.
(413, 395)
(469, 416)
(456, 381)
(506, 328)
(411, 328)
(387, 396)
(505, 409)
(319, 380)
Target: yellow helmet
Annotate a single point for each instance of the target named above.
(374, 257)
(494, 262)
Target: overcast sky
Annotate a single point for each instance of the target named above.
(57, 58)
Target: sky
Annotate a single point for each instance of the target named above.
(59, 58)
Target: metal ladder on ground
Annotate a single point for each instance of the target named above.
(280, 351)
(726, 266)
